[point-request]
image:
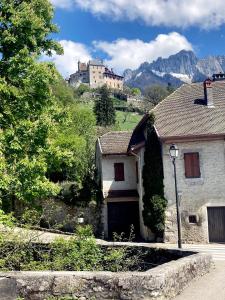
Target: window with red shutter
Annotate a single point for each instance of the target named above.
(192, 165)
(119, 171)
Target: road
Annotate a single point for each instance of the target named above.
(212, 285)
(208, 287)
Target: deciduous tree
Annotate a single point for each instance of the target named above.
(26, 107)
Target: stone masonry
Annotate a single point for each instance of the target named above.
(195, 194)
(162, 282)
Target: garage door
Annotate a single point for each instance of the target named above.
(121, 215)
(216, 224)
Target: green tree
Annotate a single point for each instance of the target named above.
(70, 155)
(136, 91)
(153, 199)
(63, 93)
(27, 112)
(81, 89)
(103, 109)
(156, 93)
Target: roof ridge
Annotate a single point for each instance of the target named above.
(118, 131)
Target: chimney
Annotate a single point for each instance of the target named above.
(208, 92)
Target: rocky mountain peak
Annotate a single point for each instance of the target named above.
(182, 67)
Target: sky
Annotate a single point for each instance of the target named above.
(126, 33)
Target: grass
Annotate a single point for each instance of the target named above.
(127, 121)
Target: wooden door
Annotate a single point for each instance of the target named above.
(121, 215)
(216, 224)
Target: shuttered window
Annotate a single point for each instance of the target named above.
(119, 171)
(192, 166)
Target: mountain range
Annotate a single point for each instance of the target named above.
(183, 67)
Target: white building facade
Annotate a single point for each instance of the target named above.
(193, 118)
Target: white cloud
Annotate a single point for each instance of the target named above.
(65, 4)
(73, 52)
(125, 53)
(121, 53)
(180, 13)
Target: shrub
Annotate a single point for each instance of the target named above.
(154, 201)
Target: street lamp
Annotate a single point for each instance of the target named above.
(174, 151)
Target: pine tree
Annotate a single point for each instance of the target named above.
(104, 110)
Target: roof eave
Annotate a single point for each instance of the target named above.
(194, 138)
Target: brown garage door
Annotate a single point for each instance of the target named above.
(216, 224)
(121, 215)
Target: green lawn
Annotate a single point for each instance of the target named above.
(127, 121)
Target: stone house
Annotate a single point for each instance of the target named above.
(96, 74)
(193, 118)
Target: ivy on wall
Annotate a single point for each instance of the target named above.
(153, 200)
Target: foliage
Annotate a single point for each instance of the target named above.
(26, 98)
(104, 109)
(156, 93)
(63, 92)
(154, 201)
(136, 91)
(81, 89)
(24, 250)
(70, 157)
(6, 219)
(46, 136)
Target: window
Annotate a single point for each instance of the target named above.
(192, 166)
(119, 171)
(192, 219)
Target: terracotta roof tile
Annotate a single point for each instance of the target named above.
(184, 112)
(115, 142)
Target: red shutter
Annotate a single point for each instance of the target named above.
(119, 171)
(192, 166)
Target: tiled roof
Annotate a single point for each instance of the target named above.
(184, 112)
(115, 142)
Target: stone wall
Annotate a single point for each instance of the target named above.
(162, 282)
(58, 215)
(195, 194)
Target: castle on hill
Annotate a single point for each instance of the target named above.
(96, 74)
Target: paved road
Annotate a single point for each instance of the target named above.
(216, 250)
(208, 287)
(212, 285)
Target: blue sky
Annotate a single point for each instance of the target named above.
(128, 32)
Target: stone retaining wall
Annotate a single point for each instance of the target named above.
(162, 282)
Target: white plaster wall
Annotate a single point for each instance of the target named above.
(108, 182)
(196, 194)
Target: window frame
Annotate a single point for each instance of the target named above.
(194, 171)
(119, 177)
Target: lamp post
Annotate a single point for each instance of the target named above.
(174, 151)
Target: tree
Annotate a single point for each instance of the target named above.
(136, 91)
(81, 89)
(70, 155)
(63, 93)
(153, 199)
(103, 109)
(156, 93)
(27, 112)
